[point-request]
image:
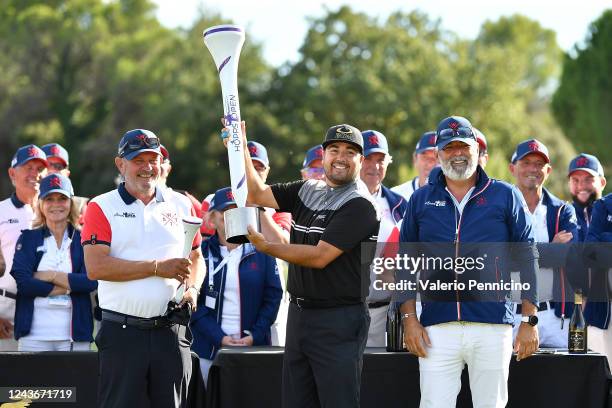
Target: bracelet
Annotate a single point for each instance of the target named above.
(155, 271)
(407, 315)
(196, 289)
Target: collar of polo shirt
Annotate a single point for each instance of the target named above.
(129, 199)
(16, 201)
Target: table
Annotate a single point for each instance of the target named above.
(251, 377)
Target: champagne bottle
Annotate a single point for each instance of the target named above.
(577, 335)
(395, 329)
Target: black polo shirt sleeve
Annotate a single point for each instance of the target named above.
(286, 195)
(353, 223)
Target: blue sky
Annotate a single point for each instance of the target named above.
(280, 25)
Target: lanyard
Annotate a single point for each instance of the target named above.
(214, 270)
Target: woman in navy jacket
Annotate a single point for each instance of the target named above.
(53, 310)
(254, 298)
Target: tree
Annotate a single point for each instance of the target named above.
(583, 102)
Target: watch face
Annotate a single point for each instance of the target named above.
(533, 320)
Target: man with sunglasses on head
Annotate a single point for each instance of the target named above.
(424, 160)
(462, 206)
(133, 242)
(28, 167)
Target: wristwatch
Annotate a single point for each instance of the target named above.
(195, 288)
(531, 320)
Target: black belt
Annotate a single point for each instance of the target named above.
(318, 303)
(8, 294)
(541, 307)
(138, 322)
(376, 305)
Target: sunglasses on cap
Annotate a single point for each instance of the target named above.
(459, 132)
(139, 142)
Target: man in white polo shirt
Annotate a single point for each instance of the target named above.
(133, 241)
(424, 160)
(28, 167)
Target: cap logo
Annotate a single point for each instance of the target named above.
(319, 153)
(55, 150)
(344, 131)
(432, 139)
(454, 125)
(373, 140)
(534, 146)
(55, 182)
(229, 195)
(141, 136)
(582, 162)
(32, 151)
(253, 149)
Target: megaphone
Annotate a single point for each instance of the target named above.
(225, 43)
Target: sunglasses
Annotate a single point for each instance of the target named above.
(314, 172)
(138, 143)
(460, 131)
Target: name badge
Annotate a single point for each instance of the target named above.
(211, 301)
(59, 301)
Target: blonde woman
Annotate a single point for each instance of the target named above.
(53, 310)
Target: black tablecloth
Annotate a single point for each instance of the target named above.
(73, 369)
(251, 377)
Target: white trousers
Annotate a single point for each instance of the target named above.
(205, 365)
(377, 332)
(549, 329)
(26, 344)
(485, 348)
(601, 340)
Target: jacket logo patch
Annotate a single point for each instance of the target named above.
(320, 217)
(480, 201)
(437, 203)
(125, 214)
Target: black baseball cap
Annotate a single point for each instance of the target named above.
(344, 133)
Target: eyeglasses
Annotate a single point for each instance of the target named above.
(314, 172)
(459, 132)
(56, 166)
(138, 142)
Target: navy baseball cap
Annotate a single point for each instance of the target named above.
(26, 153)
(258, 152)
(222, 199)
(138, 141)
(374, 142)
(455, 128)
(586, 162)
(426, 142)
(314, 153)
(481, 139)
(56, 150)
(55, 183)
(164, 152)
(528, 147)
(344, 133)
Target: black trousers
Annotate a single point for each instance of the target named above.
(323, 356)
(143, 368)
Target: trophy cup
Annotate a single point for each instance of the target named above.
(224, 43)
(191, 227)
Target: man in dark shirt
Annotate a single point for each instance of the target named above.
(328, 320)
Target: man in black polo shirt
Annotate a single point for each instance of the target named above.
(328, 320)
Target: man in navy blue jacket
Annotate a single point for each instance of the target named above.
(586, 182)
(392, 207)
(462, 205)
(554, 226)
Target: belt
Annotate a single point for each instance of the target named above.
(6, 293)
(541, 307)
(138, 322)
(376, 305)
(318, 303)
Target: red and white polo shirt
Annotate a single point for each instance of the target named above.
(138, 232)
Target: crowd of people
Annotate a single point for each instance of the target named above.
(303, 281)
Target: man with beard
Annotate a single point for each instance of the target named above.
(328, 319)
(462, 205)
(586, 184)
(553, 221)
(424, 160)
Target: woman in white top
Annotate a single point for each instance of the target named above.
(53, 310)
